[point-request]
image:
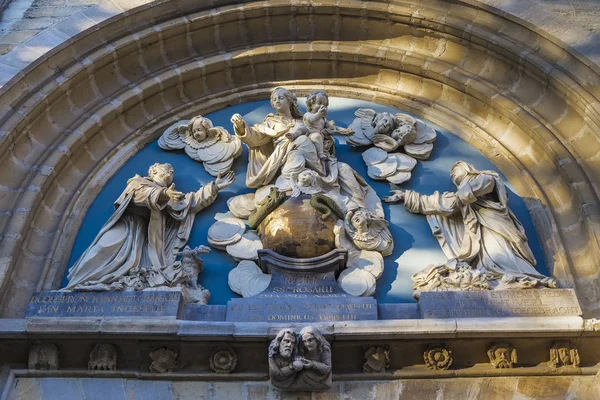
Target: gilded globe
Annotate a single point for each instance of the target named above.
(296, 229)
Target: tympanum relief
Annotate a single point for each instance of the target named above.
(306, 203)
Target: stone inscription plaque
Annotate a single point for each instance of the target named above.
(302, 296)
(104, 304)
(499, 303)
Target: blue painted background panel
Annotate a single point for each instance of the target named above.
(415, 247)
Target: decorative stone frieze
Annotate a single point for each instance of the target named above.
(103, 357)
(223, 360)
(502, 355)
(44, 356)
(377, 359)
(438, 357)
(163, 360)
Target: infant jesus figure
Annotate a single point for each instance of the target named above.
(318, 128)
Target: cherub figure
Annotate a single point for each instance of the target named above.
(369, 231)
(214, 147)
(307, 182)
(391, 131)
(314, 119)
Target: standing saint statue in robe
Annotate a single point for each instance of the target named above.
(135, 249)
(475, 226)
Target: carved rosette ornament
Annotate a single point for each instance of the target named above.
(377, 359)
(223, 360)
(163, 360)
(438, 357)
(103, 357)
(502, 355)
(43, 356)
(564, 354)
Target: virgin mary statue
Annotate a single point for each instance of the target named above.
(475, 225)
(135, 247)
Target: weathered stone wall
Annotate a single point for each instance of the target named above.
(531, 387)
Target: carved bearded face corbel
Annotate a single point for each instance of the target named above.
(286, 347)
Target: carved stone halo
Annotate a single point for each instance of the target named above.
(223, 360)
(438, 357)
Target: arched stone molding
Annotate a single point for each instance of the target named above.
(73, 117)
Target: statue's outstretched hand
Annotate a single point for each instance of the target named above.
(224, 180)
(174, 194)
(239, 125)
(396, 197)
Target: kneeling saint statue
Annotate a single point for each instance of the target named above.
(135, 249)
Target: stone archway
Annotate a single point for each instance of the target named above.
(74, 116)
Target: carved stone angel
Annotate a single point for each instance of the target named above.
(214, 147)
(389, 132)
(368, 231)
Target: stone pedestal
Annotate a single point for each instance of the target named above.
(302, 290)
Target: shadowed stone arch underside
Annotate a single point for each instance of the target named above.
(71, 119)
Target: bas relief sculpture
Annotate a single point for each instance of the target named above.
(44, 356)
(103, 357)
(476, 229)
(136, 248)
(300, 362)
(502, 356)
(293, 155)
(564, 354)
(377, 359)
(304, 194)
